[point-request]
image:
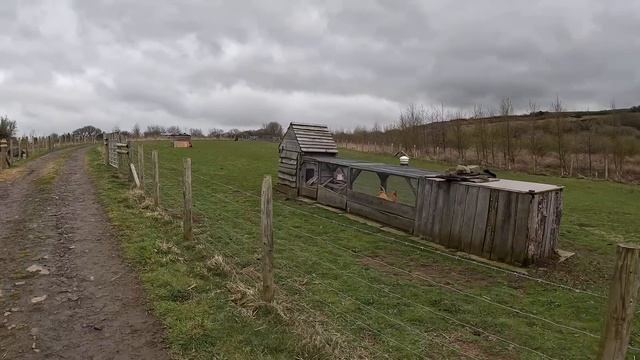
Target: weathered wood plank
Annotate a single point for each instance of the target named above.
(432, 209)
(553, 239)
(381, 216)
(287, 171)
(331, 198)
(521, 233)
(551, 226)
(540, 218)
(187, 215)
(505, 226)
(621, 307)
(156, 178)
(286, 177)
(382, 205)
(468, 219)
(421, 200)
(311, 192)
(455, 236)
(289, 161)
(445, 206)
(287, 154)
(489, 232)
(266, 227)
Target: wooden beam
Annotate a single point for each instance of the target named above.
(141, 165)
(187, 218)
(156, 178)
(623, 294)
(266, 212)
(134, 175)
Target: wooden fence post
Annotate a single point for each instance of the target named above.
(156, 178)
(141, 166)
(129, 160)
(123, 163)
(623, 294)
(106, 150)
(266, 212)
(187, 217)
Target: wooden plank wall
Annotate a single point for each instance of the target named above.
(511, 227)
(331, 198)
(288, 168)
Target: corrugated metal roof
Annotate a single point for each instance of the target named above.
(314, 138)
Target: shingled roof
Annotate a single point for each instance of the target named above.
(313, 138)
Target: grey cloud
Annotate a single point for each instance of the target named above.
(227, 64)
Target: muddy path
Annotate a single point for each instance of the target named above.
(65, 291)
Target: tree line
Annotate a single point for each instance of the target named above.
(595, 144)
(271, 130)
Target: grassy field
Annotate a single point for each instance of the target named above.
(346, 289)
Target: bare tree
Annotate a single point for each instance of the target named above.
(136, 131)
(459, 135)
(196, 132)
(505, 111)
(215, 133)
(273, 128)
(480, 133)
(557, 108)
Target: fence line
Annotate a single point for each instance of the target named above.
(242, 274)
(427, 249)
(343, 313)
(296, 270)
(615, 341)
(17, 149)
(408, 300)
(413, 302)
(422, 277)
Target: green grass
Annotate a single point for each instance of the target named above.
(345, 289)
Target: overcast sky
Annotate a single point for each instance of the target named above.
(238, 64)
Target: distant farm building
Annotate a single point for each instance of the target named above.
(504, 220)
(181, 140)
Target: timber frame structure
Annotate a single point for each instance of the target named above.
(509, 221)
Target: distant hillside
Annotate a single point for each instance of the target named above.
(597, 144)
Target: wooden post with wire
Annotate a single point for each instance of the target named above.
(187, 217)
(106, 149)
(623, 294)
(141, 165)
(156, 178)
(129, 162)
(266, 212)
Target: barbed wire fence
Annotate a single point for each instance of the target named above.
(240, 219)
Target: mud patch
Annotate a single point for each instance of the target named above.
(440, 273)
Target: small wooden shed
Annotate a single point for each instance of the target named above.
(181, 140)
(302, 140)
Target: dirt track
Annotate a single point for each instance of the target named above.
(94, 306)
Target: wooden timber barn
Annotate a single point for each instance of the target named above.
(509, 221)
(301, 140)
